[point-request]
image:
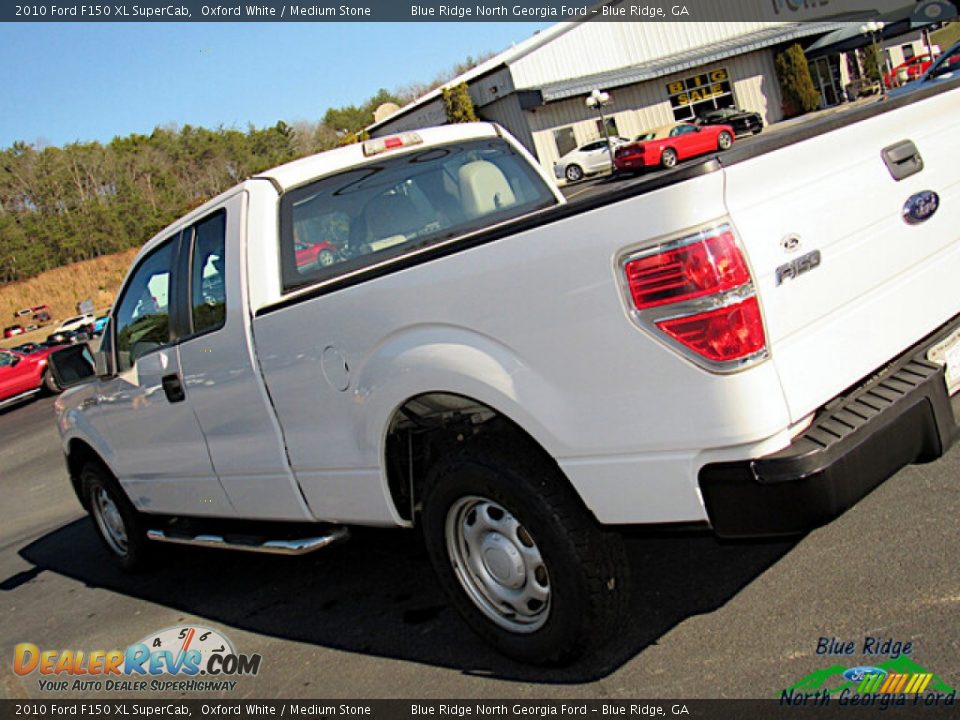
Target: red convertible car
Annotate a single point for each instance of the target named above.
(907, 71)
(22, 374)
(310, 255)
(669, 144)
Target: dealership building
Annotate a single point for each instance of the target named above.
(654, 73)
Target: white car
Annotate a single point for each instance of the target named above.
(76, 322)
(586, 160)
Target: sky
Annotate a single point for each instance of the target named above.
(70, 82)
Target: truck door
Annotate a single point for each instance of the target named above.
(160, 454)
(220, 378)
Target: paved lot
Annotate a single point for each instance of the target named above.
(366, 619)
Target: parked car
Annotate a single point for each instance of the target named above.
(13, 331)
(99, 324)
(743, 122)
(41, 313)
(668, 145)
(519, 377)
(908, 71)
(310, 255)
(85, 321)
(588, 159)
(67, 337)
(25, 374)
(945, 67)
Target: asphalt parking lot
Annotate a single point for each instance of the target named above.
(366, 619)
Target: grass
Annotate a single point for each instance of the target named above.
(61, 289)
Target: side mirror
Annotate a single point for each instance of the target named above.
(71, 366)
(103, 364)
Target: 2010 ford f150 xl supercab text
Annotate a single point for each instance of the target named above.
(750, 343)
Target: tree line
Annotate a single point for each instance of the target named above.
(60, 205)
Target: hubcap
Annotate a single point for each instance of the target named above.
(110, 522)
(498, 564)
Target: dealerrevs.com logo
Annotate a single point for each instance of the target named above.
(184, 658)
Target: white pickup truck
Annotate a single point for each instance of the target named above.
(750, 343)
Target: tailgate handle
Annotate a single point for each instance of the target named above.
(902, 159)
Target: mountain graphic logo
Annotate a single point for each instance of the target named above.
(899, 675)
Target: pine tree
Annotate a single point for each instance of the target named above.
(459, 105)
(796, 84)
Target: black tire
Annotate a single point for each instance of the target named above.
(50, 384)
(668, 158)
(724, 141)
(584, 569)
(325, 258)
(573, 173)
(99, 489)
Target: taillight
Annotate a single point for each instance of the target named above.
(380, 145)
(702, 267)
(697, 291)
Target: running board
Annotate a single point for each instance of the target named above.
(299, 546)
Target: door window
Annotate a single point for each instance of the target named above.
(143, 314)
(209, 301)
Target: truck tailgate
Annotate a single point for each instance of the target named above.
(881, 283)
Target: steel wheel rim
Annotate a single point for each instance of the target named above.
(574, 173)
(110, 521)
(669, 159)
(725, 141)
(326, 258)
(498, 564)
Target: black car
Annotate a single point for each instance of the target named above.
(67, 337)
(743, 122)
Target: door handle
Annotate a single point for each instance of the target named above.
(173, 388)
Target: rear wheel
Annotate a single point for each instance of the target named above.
(574, 173)
(119, 525)
(520, 558)
(724, 140)
(668, 158)
(325, 258)
(49, 383)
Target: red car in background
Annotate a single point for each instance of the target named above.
(23, 374)
(907, 71)
(310, 255)
(668, 145)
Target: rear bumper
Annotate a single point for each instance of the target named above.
(900, 416)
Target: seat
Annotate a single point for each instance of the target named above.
(393, 214)
(484, 188)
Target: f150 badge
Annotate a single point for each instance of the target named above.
(920, 207)
(799, 266)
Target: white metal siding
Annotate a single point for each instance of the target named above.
(645, 105)
(595, 47)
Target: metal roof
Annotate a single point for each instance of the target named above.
(695, 57)
(511, 54)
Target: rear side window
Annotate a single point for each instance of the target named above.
(143, 313)
(400, 204)
(208, 286)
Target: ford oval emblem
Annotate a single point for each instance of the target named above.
(920, 207)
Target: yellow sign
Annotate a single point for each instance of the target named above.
(698, 88)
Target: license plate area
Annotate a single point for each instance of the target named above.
(947, 353)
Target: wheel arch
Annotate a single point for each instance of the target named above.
(79, 453)
(427, 426)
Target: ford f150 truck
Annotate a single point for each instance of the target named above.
(749, 343)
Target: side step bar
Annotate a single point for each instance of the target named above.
(298, 546)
